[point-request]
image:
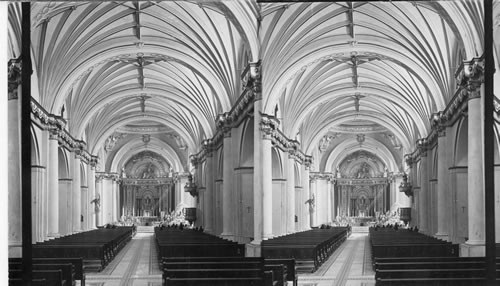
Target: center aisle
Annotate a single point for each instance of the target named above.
(135, 265)
(349, 265)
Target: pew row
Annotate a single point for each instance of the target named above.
(254, 270)
(76, 271)
(432, 271)
(309, 248)
(96, 247)
(173, 242)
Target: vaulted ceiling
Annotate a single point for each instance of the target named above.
(167, 69)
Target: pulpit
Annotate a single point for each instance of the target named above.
(190, 214)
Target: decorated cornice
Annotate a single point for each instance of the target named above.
(56, 124)
(155, 181)
(470, 76)
(269, 127)
(241, 109)
(107, 176)
(144, 129)
(321, 176)
(14, 77)
(357, 182)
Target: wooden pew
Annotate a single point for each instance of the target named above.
(431, 270)
(68, 273)
(51, 277)
(78, 268)
(20, 282)
(93, 246)
(284, 269)
(265, 280)
(311, 247)
(173, 242)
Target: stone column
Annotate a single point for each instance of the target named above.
(53, 185)
(65, 203)
(475, 245)
(253, 249)
(267, 186)
(257, 182)
(424, 183)
(91, 215)
(442, 173)
(98, 205)
(77, 189)
(314, 201)
(209, 193)
(39, 210)
(84, 207)
(307, 195)
(290, 179)
(227, 187)
(114, 200)
(330, 204)
(14, 159)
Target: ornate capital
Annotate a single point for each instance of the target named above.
(255, 75)
(470, 75)
(308, 160)
(53, 135)
(14, 77)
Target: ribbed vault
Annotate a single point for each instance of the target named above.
(177, 64)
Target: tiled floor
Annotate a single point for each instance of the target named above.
(350, 265)
(137, 265)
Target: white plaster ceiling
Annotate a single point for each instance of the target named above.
(178, 63)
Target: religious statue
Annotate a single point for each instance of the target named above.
(363, 172)
(96, 202)
(149, 173)
(123, 175)
(311, 202)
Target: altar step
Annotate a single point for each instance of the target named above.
(360, 229)
(145, 229)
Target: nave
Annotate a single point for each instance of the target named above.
(255, 120)
(136, 264)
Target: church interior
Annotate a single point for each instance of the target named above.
(252, 122)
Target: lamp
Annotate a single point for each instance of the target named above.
(191, 187)
(405, 186)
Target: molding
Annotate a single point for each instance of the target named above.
(55, 125)
(470, 76)
(14, 77)
(156, 181)
(321, 176)
(370, 181)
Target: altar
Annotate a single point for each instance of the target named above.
(146, 220)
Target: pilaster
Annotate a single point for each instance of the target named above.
(290, 177)
(209, 193)
(424, 189)
(77, 189)
(475, 245)
(39, 209)
(53, 185)
(14, 159)
(227, 187)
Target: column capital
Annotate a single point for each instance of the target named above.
(255, 75)
(53, 135)
(470, 75)
(14, 77)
